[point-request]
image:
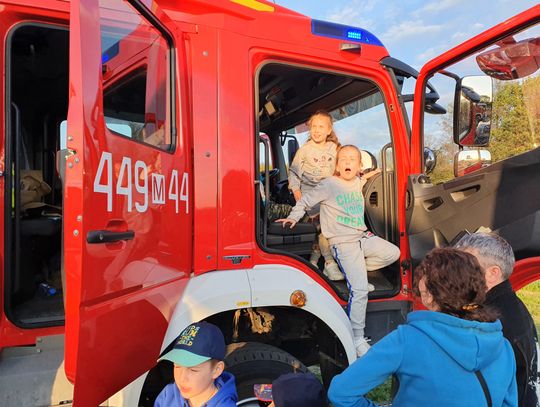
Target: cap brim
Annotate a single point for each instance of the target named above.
(263, 392)
(184, 358)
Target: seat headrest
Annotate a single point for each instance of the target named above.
(369, 162)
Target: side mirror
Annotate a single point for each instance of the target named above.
(430, 160)
(467, 161)
(472, 113)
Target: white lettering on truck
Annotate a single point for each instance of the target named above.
(138, 175)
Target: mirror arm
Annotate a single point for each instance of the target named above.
(407, 98)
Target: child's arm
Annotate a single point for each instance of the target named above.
(349, 388)
(295, 174)
(308, 200)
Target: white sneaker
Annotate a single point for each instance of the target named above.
(332, 271)
(370, 287)
(361, 346)
(315, 256)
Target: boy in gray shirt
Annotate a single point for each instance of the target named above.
(342, 221)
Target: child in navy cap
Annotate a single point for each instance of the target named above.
(199, 379)
(292, 390)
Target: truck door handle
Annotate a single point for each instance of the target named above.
(106, 236)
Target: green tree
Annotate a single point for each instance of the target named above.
(510, 125)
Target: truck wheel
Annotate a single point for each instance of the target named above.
(253, 362)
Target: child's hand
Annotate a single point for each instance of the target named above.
(297, 195)
(285, 221)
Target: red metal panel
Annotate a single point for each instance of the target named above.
(120, 296)
(202, 48)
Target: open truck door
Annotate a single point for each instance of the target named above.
(487, 172)
(127, 234)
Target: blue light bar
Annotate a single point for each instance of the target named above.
(354, 34)
(343, 32)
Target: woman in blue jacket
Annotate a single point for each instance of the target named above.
(454, 354)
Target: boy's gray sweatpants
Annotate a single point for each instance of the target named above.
(355, 259)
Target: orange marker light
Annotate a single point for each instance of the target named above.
(298, 298)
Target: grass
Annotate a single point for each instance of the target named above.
(530, 295)
(382, 393)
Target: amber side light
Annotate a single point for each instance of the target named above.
(298, 298)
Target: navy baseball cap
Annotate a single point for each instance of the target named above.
(293, 390)
(198, 343)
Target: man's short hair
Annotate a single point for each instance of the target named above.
(493, 250)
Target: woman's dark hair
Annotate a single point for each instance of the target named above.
(456, 281)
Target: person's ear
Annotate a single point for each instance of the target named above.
(493, 275)
(430, 302)
(219, 367)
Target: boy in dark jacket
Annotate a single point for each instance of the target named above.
(198, 370)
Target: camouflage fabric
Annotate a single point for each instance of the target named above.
(277, 211)
(281, 211)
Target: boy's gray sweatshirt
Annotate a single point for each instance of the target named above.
(342, 208)
(311, 164)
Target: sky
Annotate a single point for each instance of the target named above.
(414, 31)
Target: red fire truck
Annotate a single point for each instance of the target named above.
(142, 142)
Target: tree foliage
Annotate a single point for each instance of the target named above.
(515, 126)
(515, 117)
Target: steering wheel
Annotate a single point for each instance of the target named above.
(274, 172)
(271, 174)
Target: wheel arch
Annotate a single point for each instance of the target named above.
(216, 296)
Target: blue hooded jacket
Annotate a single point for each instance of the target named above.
(434, 357)
(225, 397)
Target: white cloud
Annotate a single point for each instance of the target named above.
(436, 6)
(355, 13)
(410, 28)
(351, 16)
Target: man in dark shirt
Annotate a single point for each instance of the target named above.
(497, 259)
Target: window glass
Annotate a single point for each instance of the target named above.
(362, 123)
(499, 107)
(438, 129)
(117, 127)
(136, 76)
(262, 149)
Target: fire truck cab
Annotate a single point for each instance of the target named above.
(144, 141)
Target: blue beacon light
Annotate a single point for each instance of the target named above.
(354, 34)
(343, 32)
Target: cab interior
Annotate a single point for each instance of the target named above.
(287, 96)
(36, 109)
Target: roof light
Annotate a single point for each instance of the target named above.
(343, 32)
(354, 34)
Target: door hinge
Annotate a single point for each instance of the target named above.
(405, 266)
